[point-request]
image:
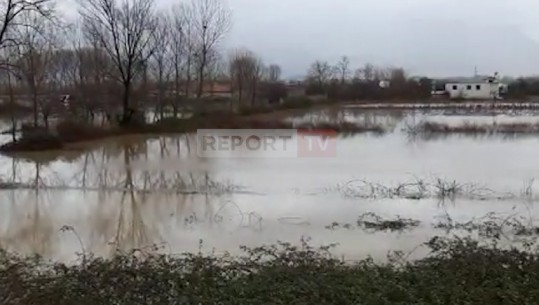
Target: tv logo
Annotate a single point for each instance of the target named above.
(317, 144)
(266, 143)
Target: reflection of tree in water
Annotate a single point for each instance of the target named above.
(150, 168)
(29, 226)
(134, 208)
(149, 204)
(132, 231)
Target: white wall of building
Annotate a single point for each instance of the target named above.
(473, 90)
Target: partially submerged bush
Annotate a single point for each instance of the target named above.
(491, 225)
(371, 222)
(417, 189)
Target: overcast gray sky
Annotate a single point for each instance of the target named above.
(427, 37)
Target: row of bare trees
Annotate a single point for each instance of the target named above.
(117, 55)
(341, 81)
(322, 73)
(251, 79)
(22, 40)
(172, 48)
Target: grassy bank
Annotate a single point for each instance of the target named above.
(456, 272)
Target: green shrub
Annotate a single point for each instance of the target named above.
(458, 271)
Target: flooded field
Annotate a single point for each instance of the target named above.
(136, 192)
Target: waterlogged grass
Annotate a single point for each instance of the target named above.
(68, 133)
(458, 271)
(492, 226)
(474, 128)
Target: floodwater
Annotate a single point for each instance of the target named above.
(134, 192)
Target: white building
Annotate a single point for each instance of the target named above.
(482, 88)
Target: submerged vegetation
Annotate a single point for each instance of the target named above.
(493, 226)
(417, 189)
(121, 61)
(66, 133)
(457, 271)
(475, 128)
(70, 132)
(371, 222)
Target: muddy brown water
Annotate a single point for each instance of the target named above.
(120, 194)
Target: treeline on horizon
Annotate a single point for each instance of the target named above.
(119, 57)
(340, 81)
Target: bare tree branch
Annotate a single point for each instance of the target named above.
(11, 11)
(245, 73)
(124, 30)
(211, 22)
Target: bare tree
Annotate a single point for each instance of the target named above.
(63, 63)
(184, 45)
(160, 61)
(181, 52)
(80, 73)
(274, 73)
(398, 75)
(123, 30)
(366, 73)
(240, 67)
(245, 69)
(14, 21)
(9, 75)
(320, 73)
(257, 75)
(211, 20)
(343, 69)
(94, 73)
(381, 73)
(11, 17)
(57, 79)
(36, 49)
(216, 69)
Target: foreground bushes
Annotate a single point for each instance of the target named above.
(457, 272)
